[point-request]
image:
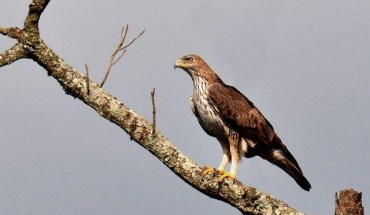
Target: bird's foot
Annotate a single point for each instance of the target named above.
(224, 174)
(207, 170)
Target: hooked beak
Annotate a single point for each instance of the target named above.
(178, 64)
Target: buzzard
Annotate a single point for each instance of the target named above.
(226, 114)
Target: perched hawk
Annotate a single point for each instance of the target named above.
(242, 130)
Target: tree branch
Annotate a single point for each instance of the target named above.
(17, 51)
(87, 80)
(349, 202)
(248, 200)
(154, 111)
(14, 33)
(33, 17)
(13, 54)
(120, 48)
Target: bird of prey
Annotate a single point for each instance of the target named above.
(226, 114)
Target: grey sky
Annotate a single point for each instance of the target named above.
(305, 64)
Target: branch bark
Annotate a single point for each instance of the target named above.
(247, 200)
(349, 202)
(13, 54)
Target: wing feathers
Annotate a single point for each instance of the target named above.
(240, 113)
(280, 159)
(244, 118)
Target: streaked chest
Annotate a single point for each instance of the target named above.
(208, 115)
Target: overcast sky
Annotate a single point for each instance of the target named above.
(305, 64)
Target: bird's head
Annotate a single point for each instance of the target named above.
(196, 67)
(192, 64)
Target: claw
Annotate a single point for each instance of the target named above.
(207, 170)
(221, 171)
(225, 174)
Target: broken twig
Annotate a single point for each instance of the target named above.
(87, 80)
(154, 110)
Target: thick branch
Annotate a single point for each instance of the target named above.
(34, 14)
(29, 35)
(13, 54)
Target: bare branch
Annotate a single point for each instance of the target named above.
(123, 34)
(133, 40)
(14, 33)
(124, 51)
(30, 32)
(152, 94)
(13, 54)
(87, 80)
(4, 31)
(119, 49)
(348, 202)
(34, 13)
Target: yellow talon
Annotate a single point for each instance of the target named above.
(221, 172)
(225, 174)
(207, 169)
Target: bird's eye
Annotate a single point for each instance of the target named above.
(190, 59)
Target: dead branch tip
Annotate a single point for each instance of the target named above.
(154, 111)
(87, 80)
(121, 50)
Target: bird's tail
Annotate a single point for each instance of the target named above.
(281, 157)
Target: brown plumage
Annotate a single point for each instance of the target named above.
(242, 130)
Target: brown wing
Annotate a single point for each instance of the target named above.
(240, 113)
(244, 118)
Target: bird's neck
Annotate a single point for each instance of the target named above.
(203, 79)
(200, 84)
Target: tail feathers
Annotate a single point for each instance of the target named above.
(287, 163)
